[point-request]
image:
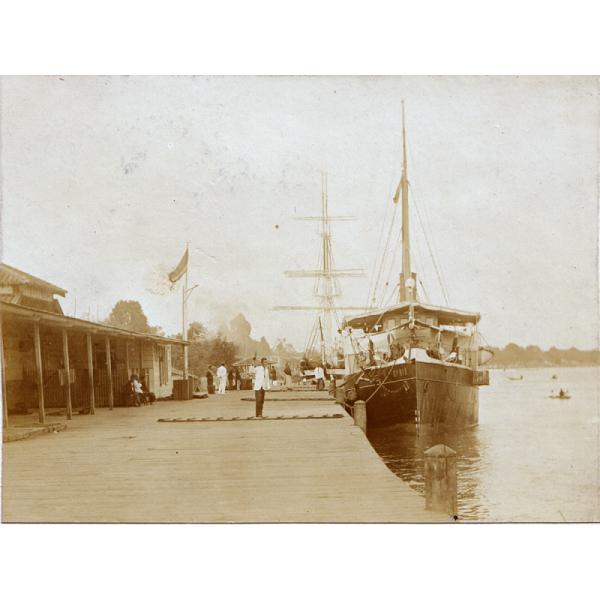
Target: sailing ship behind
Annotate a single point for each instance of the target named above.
(323, 344)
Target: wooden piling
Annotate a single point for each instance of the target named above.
(65, 341)
(440, 480)
(37, 342)
(111, 399)
(360, 414)
(127, 368)
(3, 375)
(90, 362)
(141, 359)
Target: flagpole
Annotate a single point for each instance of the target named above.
(183, 316)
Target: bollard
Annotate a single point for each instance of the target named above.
(440, 480)
(360, 414)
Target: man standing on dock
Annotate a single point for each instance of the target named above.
(222, 378)
(320, 377)
(261, 383)
(288, 376)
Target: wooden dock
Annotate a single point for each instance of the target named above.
(126, 466)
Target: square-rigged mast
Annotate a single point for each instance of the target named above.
(326, 275)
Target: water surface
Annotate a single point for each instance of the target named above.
(531, 458)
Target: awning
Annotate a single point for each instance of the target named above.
(57, 320)
(446, 316)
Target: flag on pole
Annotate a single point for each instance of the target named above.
(180, 269)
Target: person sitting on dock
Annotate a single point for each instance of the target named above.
(261, 384)
(137, 390)
(147, 396)
(129, 396)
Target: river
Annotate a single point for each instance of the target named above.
(531, 458)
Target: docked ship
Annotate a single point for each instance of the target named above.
(413, 363)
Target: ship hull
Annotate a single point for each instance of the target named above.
(417, 395)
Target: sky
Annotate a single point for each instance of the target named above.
(105, 179)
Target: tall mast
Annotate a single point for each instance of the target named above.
(407, 278)
(405, 223)
(326, 288)
(328, 291)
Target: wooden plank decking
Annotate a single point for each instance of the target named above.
(125, 466)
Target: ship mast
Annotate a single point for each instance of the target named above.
(408, 279)
(326, 276)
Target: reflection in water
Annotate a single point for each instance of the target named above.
(531, 458)
(403, 454)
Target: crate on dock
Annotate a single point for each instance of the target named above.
(183, 389)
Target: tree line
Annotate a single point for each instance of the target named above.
(234, 341)
(230, 343)
(513, 355)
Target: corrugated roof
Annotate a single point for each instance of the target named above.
(12, 276)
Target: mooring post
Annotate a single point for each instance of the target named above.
(440, 480)
(360, 414)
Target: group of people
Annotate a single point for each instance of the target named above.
(225, 378)
(261, 373)
(232, 379)
(263, 376)
(320, 373)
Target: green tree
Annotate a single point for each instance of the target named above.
(204, 350)
(222, 351)
(262, 347)
(128, 314)
(196, 332)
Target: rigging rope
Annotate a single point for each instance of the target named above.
(385, 254)
(425, 294)
(431, 252)
(371, 289)
(397, 246)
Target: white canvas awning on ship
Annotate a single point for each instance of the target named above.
(446, 316)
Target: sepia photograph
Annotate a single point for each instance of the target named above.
(299, 299)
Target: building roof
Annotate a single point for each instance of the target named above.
(11, 276)
(446, 316)
(50, 318)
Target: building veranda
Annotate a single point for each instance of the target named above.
(53, 361)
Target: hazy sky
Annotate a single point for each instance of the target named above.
(104, 179)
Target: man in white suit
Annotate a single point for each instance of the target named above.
(222, 378)
(262, 382)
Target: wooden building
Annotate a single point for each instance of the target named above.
(50, 360)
